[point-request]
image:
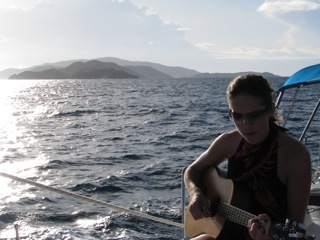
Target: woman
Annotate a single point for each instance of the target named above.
(272, 167)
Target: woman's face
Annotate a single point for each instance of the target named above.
(250, 118)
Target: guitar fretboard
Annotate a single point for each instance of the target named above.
(234, 214)
(275, 230)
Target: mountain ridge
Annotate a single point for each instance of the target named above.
(79, 70)
(113, 68)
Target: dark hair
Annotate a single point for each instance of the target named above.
(254, 85)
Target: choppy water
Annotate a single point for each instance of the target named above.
(124, 142)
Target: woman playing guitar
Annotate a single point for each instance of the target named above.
(268, 168)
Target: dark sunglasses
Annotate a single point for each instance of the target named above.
(239, 118)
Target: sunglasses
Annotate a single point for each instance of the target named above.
(239, 118)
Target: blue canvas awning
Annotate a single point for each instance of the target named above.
(305, 76)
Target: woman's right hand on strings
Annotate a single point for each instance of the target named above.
(199, 206)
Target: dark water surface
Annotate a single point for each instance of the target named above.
(124, 142)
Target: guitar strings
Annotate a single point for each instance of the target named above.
(235, 214)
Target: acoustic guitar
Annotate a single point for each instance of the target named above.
(221, 196)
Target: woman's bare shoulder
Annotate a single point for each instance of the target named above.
(289, 143)
(231, 135)
(229, 138)
(291, 149)
(227, 143)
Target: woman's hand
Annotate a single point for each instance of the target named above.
(256, 229)
(199, 206)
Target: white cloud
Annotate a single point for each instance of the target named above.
(286, 6)
(252, 53)
(18, 4)
(300, 18)
(59, 30)
(148, 10)
(206, 46)
(184, 29)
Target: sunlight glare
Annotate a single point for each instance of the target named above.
(27, 168)
(10, 145)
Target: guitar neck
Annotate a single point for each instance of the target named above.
(234, 214)
(275, 230)
(219, 210)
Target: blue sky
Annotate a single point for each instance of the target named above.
(278, 36)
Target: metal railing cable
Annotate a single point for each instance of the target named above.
(91, 200)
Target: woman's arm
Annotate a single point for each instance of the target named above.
(298, 180)
(220, 149)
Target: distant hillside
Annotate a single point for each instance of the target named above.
(233, 75)
(140, 69)
(147, 72)
(80, 70)
(45, 74)
(110, 67)
(176, 72)
(5, 74)
(95, 69)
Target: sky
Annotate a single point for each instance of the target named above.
(277, 36)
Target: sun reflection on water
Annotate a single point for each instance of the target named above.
(12, 149)
(12, 192)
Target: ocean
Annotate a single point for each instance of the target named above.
(121, 141)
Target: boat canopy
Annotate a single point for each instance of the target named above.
(305, 76)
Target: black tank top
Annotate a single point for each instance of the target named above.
(253, 169)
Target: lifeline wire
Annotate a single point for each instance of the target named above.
(88, 199)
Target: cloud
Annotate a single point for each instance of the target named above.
(300, 18)
(88, 29)
(286, 6)
(18, 4)
(284, 52)
(281, 51)
(206, 46)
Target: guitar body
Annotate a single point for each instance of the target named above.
(229, 216)
(215, 187)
